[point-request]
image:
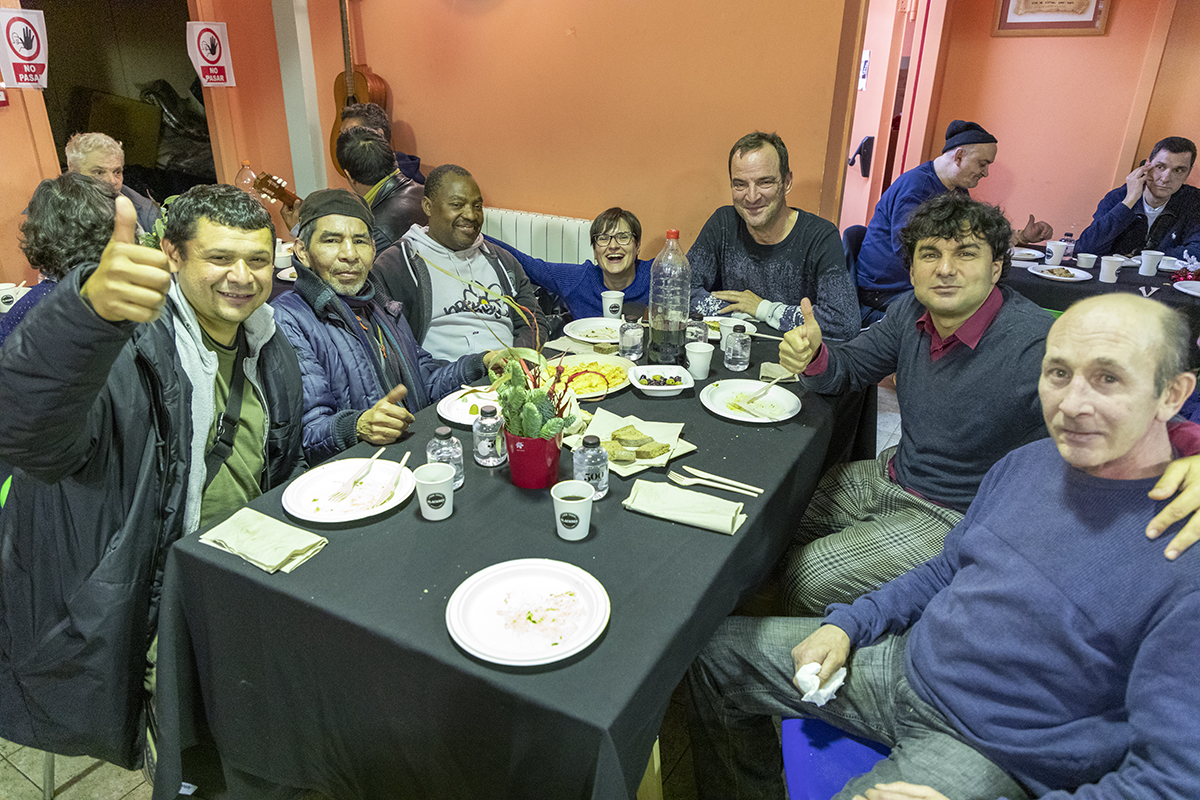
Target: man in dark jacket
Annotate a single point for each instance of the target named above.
(1154, 210)
(364, 373)
(140, 408)
(394, 198)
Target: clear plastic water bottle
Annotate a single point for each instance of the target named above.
(591, 465)
(737, 349)
(244, 179)
(696, 330)
(670, 299)
(631, 335)
(490, 450)
(445, 447)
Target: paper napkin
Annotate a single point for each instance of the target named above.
(266, 543)
(605, 422)
(769, 371)
(806, 680)
(666, 501)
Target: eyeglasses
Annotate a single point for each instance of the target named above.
(624, 237)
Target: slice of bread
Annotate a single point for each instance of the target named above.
(617, 453)
(631, 436)
(652, 450)
(604, 348)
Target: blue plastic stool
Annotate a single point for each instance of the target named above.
(819, 759)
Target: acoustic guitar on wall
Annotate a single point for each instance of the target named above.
(357, 84)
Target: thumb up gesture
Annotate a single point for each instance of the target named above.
(386, 421)
(800, 344)
(131, 282)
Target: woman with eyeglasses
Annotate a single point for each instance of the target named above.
(616, 237)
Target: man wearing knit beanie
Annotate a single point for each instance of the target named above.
(364, 373)
(964, 161)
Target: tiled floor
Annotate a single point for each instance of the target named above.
(89, 779)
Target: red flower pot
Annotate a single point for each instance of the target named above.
(533, 462)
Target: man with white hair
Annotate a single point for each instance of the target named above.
(102, 157)
(1049, 651)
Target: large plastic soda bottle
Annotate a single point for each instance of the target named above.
(244, 179)
(670, 295)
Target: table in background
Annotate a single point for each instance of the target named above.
(341, 676)
(1059, 295)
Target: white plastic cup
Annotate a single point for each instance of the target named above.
(1108, 268)
(572, 509)
(611, 302)
(727, 324)
(1055, 252)
(9, 295)
(1085, 260)
(699, 359)
(1150, 259)
(1168, 264)
(435, 489)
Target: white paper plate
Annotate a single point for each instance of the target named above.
(490, 613)
(1076, 274)
(456, 406)
(715, 335)
(594, 330)
(776, 405)
(307, 497)
(287, 274)
(1027, 254)
(602, 358)
(1188, 287)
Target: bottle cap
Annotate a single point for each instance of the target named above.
(442, 432)
(488, 411)
(736, 329)
(672, 234)
(591, 440)
(245, 163)
(696, 315)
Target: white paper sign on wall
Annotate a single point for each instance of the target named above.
(23, 63)
(208, 47)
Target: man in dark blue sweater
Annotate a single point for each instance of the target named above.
(1049, 651)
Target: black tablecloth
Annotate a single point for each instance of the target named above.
(341, 676)
(1059, 295)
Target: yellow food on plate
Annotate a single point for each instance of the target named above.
(609, 376)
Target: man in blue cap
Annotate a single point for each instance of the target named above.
(882, 274)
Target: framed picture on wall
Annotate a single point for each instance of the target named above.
(1051, 17)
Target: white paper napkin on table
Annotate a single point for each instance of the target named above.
(769, 371)
(266, 543)
(670, 502)
(605, 422)
(565, 344)
(806, 680)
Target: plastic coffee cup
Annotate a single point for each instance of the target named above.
(1085, 260)
(1168, 264)
(435, 490)
(699, 359)
(727, 328)
(572, 509)
(1150, 259)
(1055, 252)
(611, 302)
(1108, 268)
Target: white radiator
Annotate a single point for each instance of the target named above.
(564, 240)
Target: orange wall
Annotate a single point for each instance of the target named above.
(1060, 106)
(569, 107)
(1175, 105)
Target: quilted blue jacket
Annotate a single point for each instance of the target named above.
(342, 378)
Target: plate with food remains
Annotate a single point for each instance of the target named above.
(1027, 254)
(286, 274)
(594, 330)
(731, 399)
(527, 612)
(714, 326)
(1071, 274)
(1188, 287)
(462, 407)
(309, 496)
(602, 374)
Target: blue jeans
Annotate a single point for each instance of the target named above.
(743, 678)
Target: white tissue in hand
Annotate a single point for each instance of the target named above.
(807, 681)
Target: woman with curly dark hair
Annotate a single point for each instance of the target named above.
(69, 221)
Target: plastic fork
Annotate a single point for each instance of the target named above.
(683, 480)
(388, 491)
(767, 388)
(348, 487)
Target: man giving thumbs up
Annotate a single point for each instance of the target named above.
(139, 407)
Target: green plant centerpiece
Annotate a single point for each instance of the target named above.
(534, 401)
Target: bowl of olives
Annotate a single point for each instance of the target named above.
(660, 380)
